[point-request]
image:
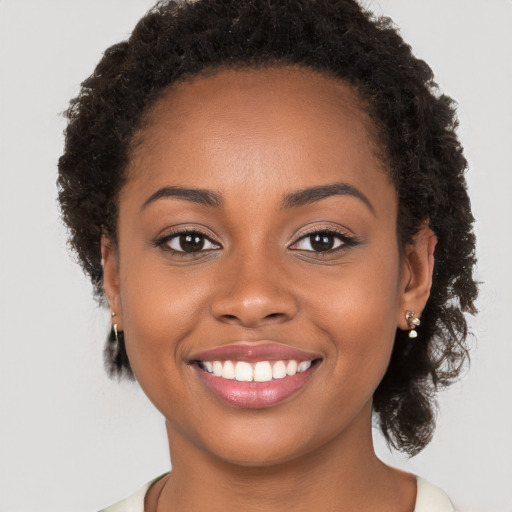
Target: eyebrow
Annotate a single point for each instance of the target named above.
(314, 194)
(293, 200)
(194, 195)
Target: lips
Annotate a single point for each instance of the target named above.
(255, 375)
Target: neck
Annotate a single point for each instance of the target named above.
(343, 475)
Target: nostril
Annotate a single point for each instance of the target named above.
(274, 315)
(253, 309)
(250, 320)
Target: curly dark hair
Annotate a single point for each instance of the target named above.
(415, 127)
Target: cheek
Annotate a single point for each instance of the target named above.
(160, 309)
(358, 311)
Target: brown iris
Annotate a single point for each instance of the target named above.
(322, 241)
(191, 242)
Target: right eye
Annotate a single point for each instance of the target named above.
(187, 242)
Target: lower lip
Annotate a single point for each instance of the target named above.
(255, 395)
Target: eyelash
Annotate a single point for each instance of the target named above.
(346, 240)
(161, 242)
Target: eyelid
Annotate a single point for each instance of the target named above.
(163, 239)
(313, 230)
(347, 238)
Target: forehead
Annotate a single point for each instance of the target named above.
(265, 86)
(251, 95)
(255, 125)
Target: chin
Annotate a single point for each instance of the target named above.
(268, 444)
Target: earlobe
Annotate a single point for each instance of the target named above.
(417, 275)
(109, 262)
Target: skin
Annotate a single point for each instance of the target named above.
(252, 137)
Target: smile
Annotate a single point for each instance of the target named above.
(261, 371)
(253, 375)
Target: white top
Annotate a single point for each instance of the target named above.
(429, 498)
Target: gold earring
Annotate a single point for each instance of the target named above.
(116, 336)
(413, 322)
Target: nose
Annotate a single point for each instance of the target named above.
(253, 293)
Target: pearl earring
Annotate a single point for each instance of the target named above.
(114, 330)
(413, 322)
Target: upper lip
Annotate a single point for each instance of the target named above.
(255, 351)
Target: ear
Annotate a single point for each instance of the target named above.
(110, 264)
(416, 278)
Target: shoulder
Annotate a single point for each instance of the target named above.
(430, 498)
(135, 502)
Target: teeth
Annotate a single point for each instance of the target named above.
(262, 371)
(279, 370)
(243, 372)
(228, 370)
(291, 368)
(303, 366)
(217, 368)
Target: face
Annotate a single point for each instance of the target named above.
(257, 276)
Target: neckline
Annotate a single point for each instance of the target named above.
(428, 497)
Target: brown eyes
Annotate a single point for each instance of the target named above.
(191, 242)
(319, 242)
(195, 242)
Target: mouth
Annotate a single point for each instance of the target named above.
(255, 375)
(261, 371)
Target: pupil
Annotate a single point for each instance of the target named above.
(191, 243)
(322, 242)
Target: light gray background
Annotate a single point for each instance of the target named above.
(70, 439)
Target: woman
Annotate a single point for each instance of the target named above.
(259, 191)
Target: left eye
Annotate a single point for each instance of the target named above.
(189, 242)
(319, 242)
